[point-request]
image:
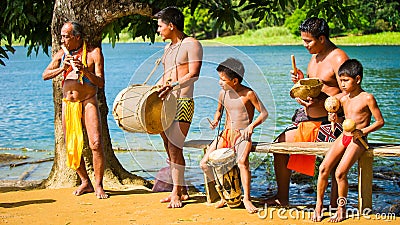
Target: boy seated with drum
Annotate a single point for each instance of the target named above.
(358, 107)
(239, 102)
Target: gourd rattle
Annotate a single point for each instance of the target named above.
(332, 105)
(349, 126)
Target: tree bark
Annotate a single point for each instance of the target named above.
(94, 16)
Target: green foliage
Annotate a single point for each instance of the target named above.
(3, 53)
(293, 21)
(30, 20)
(27, 19)
(135, 25)
(224, 12)
(374, 16)
(263, 9)
(199, 23)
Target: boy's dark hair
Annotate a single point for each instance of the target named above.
(172, 15)
(351, 68)
(233, 68)
(315, 26)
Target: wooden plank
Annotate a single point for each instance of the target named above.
(365, 175)
(307, 148)
(365, 163)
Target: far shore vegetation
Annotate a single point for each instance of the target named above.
(274, 36)
(282, 36)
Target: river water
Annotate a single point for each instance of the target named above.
(27, 110)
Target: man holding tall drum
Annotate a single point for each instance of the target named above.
(182, 61)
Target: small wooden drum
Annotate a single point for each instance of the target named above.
(227, 176)
(138, 108)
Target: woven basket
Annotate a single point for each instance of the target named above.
(307, 87)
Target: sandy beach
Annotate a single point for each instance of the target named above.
(138, 205)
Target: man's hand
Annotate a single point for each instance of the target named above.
(67, 61)
(310, 101)
(78, 64)
(213, 124)
(357, 133)
(298, 76)
(246, 133)
(164, 91)
(332, 117)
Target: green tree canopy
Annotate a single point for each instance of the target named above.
(29, 21)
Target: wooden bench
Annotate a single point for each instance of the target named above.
(365, 173)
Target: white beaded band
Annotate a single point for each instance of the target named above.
(175, 85)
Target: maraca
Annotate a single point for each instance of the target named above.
(349, 125)
(332, 105)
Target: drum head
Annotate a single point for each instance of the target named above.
(138, 109)
(221, 155)
(124, 116)
(158, 114)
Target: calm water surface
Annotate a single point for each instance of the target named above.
(27, 110)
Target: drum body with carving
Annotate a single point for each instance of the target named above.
(138, 108)
(227, 176)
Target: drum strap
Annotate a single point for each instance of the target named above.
(218, 185)
(220, 118)
(157, 62)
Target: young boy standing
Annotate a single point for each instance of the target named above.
(358, 106)
(239, 102)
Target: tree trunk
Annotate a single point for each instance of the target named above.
(94, 16)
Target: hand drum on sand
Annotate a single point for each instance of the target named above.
(349, 126)
(138, 109)
(332, 105)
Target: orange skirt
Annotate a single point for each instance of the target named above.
(306, 132)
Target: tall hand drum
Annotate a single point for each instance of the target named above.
(138, 108)
(227, 176)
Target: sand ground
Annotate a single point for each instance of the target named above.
(136, 205)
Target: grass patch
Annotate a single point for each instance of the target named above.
(282, 36)
(385, 38)
(263, 36)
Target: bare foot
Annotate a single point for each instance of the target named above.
(168, 199)
(339, 216)
(175, 202)
(250, 207)
(184, 197)
(317, 216)
(220, 204)
(275, 201)
(83, 189)
(185, 194)
(100, 194)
